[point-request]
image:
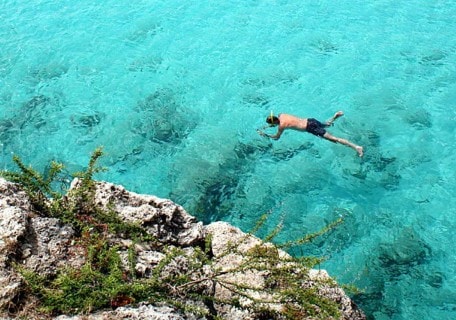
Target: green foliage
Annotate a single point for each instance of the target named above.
(78, 206)
(287, 282)
(83, 196)
(103, 281)
(309, 237)
(37, 186)
(352, 289)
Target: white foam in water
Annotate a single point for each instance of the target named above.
(174, 92)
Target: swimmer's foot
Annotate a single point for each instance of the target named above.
(338, 114)
(360, 150)
(335, 116)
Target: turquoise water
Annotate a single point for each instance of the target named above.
(174, 91)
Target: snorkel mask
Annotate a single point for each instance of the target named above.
(271, 119)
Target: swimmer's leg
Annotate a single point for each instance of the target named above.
(334, 117)
(345, 142)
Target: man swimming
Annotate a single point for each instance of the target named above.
(287, 121)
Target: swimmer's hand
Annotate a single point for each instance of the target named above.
(261, 133)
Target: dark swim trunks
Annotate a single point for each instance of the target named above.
(315, 127)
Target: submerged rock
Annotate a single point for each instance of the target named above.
(407, 250)
(164, 118)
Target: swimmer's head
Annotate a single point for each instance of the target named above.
(272, 120)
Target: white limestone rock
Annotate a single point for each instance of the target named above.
(164, 219)
(14, 211)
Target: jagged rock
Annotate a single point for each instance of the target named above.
(39, 244)
(164, 219)
(44, 245)
(14, 209)
(349, 309)
(224, 235)
(147, 260)
(47, 246)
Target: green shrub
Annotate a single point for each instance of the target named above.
(104, 282)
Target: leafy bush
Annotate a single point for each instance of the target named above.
(104, 281)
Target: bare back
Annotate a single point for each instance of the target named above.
(313, 126)
(288, 121)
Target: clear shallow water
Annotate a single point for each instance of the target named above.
(174, 92)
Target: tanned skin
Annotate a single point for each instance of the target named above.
(287, 121)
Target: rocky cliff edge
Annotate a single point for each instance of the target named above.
(45, 245)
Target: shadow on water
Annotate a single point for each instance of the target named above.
(378, 167)
(161, 123)
(47, 72)
(87, 125)
(406, 254)
(33, 117)
(7, 128)
(254, 151)
(163, 118)
(87, 121)
(34, 112)
(224, 190)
